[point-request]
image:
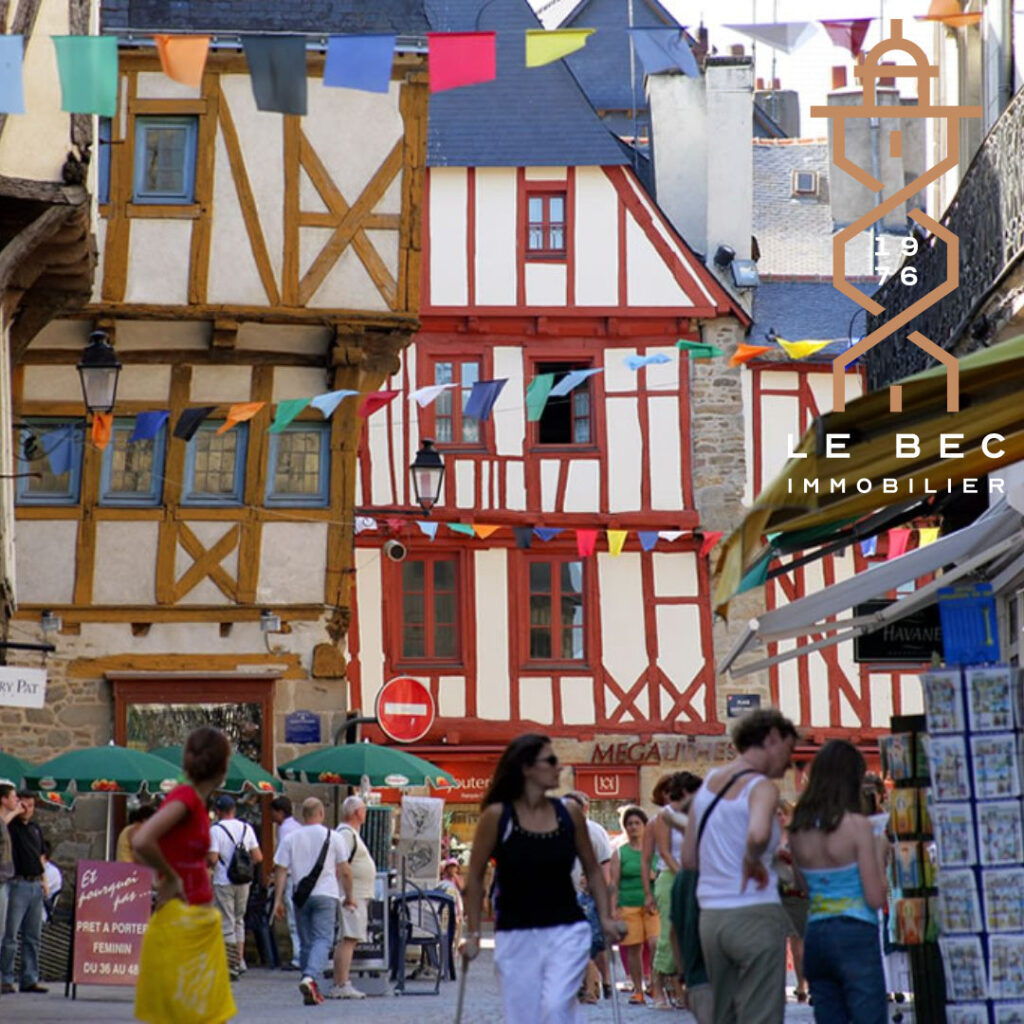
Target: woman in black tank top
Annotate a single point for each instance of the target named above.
(542, 941)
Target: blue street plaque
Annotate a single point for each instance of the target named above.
(302, 727)
(737, 704)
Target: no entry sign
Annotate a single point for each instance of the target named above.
(405, 709)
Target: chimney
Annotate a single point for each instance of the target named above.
(736, 49)
(839, 77)
(776, 84)
(760, 84)
(889, 82)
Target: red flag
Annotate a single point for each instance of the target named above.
(744, 353)
(711, 538)
(375, 400)
(848, 33)
(586, 542)
(461, 58)
(898, 541)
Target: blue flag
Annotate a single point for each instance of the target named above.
(571, 380)
(664, 49)
(547, 532)
(359, 62)
(277, 68)
(427, 529)
(12, 55)
(524, 536)
(648, 539)
(869, 547)
(148, 425)
(482, 398)
(636, 362)
(59, 448)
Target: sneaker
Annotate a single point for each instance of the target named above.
(310, 992)
(348, 991)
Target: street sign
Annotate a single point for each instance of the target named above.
(405, 709)
(22, 687)
(302, 727)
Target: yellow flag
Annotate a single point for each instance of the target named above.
(239, 413)
(616, 538)
(927, 535)
(802, 349)
(543, 47)
(484, 531)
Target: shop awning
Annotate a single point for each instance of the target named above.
(805, 495)
(993, 540)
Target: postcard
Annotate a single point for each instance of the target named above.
(943, 700)
(1009, 1013)
(897, 755)
(910, 921)
(929, 865)
(967, 1013)
(954, 835)
(924, 816)
(1004, 899)
(995, 765)
(1006, 966)
(908, 866)
(964, 965)
(903, 812)
(958, 903)
(932, 929)
(990, 698)
(1000, 833)
(947, 762)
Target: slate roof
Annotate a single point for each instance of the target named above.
(526, 116)
(404, 17)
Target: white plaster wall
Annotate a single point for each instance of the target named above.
(649, 282)
(666, 457)
(448, 272)
(143, 383)
(536, 701)
(821, 387)
(380, 471)
(52, 384)
(583, 488)
(221, 384)
(495, 236)
(680, 655)
(465, 479)
(485, 484)
(549, 469)
(789, 686)
(73, 334)
(545, 284)
(578, 706)
(348, 284)
(45, 560)
(675, 575)
(493, 695)
(911, 694)
(157, 86)
(307, 339)
(451, 697)
(747, 398)
(208, 533)
(662, 376)
(371, 630)
(880, 690)
(780, 420)
(597, 239)
(510, 413)
(393, 429)
(181, 335)
(125, 557)
(158, 259)
(515, 486)
(298, 382)
(35, 144)
(624, 461)
(622, 616)
(292, 561)
(618, 376)
(545, 173)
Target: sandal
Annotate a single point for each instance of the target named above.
(637, 999)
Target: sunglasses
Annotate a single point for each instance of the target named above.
(551, 759)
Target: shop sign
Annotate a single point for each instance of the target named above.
(608, 783)
(672, 751)
(302, 727)
(112, 903)
(914, 638)
(473, 778)
(22, 687)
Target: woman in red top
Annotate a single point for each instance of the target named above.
(176, 840)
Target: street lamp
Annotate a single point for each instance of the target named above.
(98, 370)
(427, 475)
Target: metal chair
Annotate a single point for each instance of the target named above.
(418, 915)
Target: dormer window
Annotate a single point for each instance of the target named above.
(805, 183)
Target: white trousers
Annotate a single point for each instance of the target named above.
(540, 971)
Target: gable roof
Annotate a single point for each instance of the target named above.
(526, 116)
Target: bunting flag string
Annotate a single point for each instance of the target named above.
(546, 46)
(461, 58)
(183, 58)
(537, 396)
(424, 396)
(523, 535)
(189, 420)
(648, 539)
(149, 424)
(899, 540)
(277, 72)
(699, 349)
(482, 398)
(329, 401)
(364, 523)
(483, 532)
(571, 380)
(869, 547)
(373, 401)
(616, 540)
(463, 528)
(547, 533)
(12, 93)
(801, 349)
(744, 353)
(58, 448)
(780, 35)
(949, 12)
(87, 66)
(286, 411)
(586, 542)
(711, 538)
(428, 529)
(359, 62)
(670, 535)
(240, 412)
(635, 363)
(927, 535)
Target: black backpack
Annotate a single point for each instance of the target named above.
(241, 870)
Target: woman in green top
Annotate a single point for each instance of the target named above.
(627, 891)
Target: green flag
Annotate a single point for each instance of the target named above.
(461, 528)
(537, 395)
(286, 412)
(88, 74)
(699, 349)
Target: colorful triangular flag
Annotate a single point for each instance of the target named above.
(869, 547)
(636, 363)
(711, 538)
(523, 535)
(424, 396)
(286, 411)
(586, 542)
(546, 533)
(744, 353)
(848, 33)
(330, 400)
(543, 46)
(59, 449)
(648, 539)
(699, 349)
(189, 420)
(537, 395)
(373, 401)
(364, 523)
(183, 58)
(899, 539)
(927, 535)
(482, 398)
(671, 535)
(102, 428)
(664, 49)
(484, 531)
(460, 58)
(87, 66)
(239, 413)
(277, 71)
(571, 380)
(148, 425)
(801, 349)
(950, 13)
(427, 528)
(616, 539)
(360, 62)
(463, 528)
(786, 36)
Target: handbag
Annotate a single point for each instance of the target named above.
(304, 888)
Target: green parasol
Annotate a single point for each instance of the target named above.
(243, 773)
(13, 768)
(109, 769)
(383, 766)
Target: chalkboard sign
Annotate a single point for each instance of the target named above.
(112, 904)
(302, 727)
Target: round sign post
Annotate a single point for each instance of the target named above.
(405, 709)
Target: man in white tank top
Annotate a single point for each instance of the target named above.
(742, 924)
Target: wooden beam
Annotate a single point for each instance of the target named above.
(42, 191)
(357, 318)
(118, 235)
(221, 354)
(188, 613)
(413, 106)
(251, 541)
(206, 563)
(202, 227)
(164, 211)
(290, 255)
(167, 536)
(371, 222)
(247, 202)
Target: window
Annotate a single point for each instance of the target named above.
(566, 419)
(805, 183)
(215, 466)
(299, 465)
(165, 159)
(450, 425)
(50, 450)
(103, 168)
(132, 471)
(556, 610)
(430, 609)
(545, 229)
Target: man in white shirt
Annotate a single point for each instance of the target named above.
(287, 823)
(315, 853)
(226, 833)
(358, 874)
